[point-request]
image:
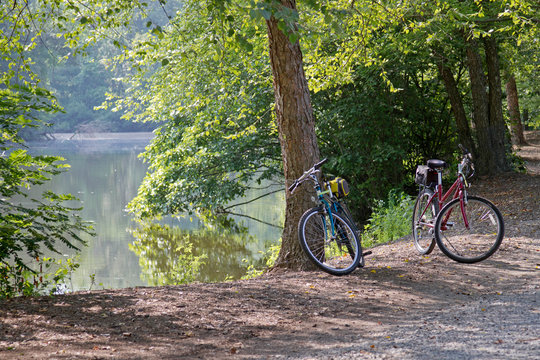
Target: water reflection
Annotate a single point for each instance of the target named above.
(124, 254)
(170, 255)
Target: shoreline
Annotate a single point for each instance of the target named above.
(99, 136)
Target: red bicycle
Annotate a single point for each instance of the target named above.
(468, 228)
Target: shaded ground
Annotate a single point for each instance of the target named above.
(401, 305)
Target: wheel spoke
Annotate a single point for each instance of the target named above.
(472, 243)
(338, 254)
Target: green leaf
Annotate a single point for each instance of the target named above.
(265, 14)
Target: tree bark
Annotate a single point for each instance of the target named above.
(515, 115)
(299, 149)
(497, 126)
(462, 123)
(485, 161)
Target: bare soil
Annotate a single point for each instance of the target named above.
(376, 312)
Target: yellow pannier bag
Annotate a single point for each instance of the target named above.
(338, 186)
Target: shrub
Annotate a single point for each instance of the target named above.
(390, 219)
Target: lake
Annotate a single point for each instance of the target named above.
(105, 174)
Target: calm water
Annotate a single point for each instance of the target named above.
(105, 176)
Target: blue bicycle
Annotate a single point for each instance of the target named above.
(327, 233)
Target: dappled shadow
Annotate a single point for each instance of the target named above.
(290, 312)
(401, 305)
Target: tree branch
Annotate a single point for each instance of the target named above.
(253, 218)
(252, 200)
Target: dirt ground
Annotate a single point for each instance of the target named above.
(368, 314)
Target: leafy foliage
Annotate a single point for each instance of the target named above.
(27, 228)
(389, 220)
(45, 276)
(375, 138)
(267, 261)
(379, 103)
(218, 139)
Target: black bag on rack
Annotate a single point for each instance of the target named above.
(425, 176)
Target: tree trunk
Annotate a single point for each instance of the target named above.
(462, 124)
(513, 108)
(485, 163)
(497, 128)
(296, 128)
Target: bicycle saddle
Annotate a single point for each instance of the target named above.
(436, 164)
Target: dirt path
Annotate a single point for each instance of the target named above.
(531, 152)
(401, 306)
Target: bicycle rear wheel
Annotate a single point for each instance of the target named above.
(338, 253)
(423, 223)
(472, 243)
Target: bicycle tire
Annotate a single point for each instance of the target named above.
(423, 228)
(473, 244)
(337, 255)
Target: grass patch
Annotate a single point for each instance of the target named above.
(390, 219)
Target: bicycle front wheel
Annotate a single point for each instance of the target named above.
(471, 233)
(335, 249)
(423, 222)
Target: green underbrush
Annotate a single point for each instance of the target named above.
(390, 219)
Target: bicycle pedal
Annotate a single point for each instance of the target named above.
(367, 253)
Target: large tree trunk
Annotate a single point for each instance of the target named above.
(299, 148)
(513, 108)
(485, 161)
(496, 119)
(462, 124)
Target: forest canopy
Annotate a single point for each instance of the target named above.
(381, 93)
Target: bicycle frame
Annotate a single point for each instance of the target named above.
(329, 205)
(325, 204)
(457, 189)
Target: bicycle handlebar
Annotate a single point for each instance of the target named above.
(320, 163)
(306, 174)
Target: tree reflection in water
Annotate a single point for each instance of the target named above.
(169, 255)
